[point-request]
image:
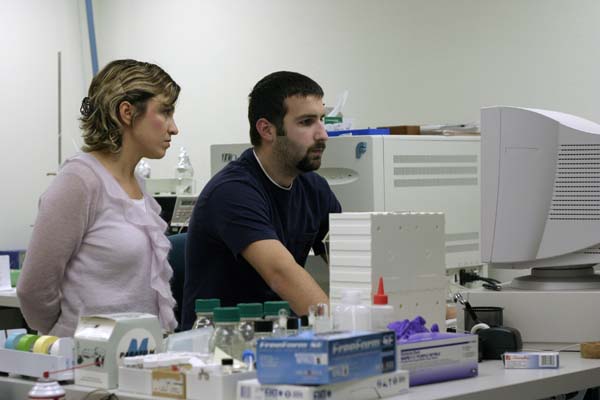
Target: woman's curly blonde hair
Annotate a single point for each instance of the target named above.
(121, 80)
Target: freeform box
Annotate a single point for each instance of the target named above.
(437, 357)
(315, 359)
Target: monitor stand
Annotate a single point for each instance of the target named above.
(580, 277)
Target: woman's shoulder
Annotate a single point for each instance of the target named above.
(75, 178)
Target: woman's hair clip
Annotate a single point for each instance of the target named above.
(86, 107)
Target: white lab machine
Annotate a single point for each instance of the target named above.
(403, 173)
(541, 210)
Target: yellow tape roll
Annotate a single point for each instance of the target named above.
(42, 345)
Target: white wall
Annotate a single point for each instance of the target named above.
(32, 32)
(404, 62)
(413, 62)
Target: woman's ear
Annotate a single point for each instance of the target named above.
(126, 113)
(266, 130)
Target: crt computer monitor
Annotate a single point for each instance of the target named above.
(540, 196)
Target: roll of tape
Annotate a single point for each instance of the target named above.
(12, 340)
(26, 342)
(42, 345)
(62, 346)
(478, 327)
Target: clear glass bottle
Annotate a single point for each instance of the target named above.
(184, 172)
(277, 312)
(204, 312)
(249, 314)
(227, 336)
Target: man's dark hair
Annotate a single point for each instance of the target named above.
(267, 99)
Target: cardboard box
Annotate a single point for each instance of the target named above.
(192, 384)
(101, 341)
(313, 359)
(404, 129)
(438, 357)
(373, 387)
(531, 360)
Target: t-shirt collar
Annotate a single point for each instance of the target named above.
(267, 175)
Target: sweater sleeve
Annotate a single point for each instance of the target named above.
(64, 214)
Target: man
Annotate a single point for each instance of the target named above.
(256, 220)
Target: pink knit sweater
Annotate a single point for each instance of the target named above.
(93, 251)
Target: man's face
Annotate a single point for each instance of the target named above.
(301, 144)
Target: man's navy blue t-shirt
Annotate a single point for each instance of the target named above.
(239, 206)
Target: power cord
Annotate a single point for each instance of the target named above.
(489, 283)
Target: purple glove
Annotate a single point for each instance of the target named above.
(405, 329)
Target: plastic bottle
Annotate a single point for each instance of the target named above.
(184, 167)
(184, 172)
(204, 312)
(46, 390)
(249, 314)
(227, 336)
(350, 314)
(277, 312)
(382, 313)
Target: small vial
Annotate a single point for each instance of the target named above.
(248, 359)
(322, 321)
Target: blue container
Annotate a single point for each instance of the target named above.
(15, 257)
(360, 132)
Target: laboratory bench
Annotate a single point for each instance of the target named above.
(493, 383)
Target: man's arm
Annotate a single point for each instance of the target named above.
(276, 265)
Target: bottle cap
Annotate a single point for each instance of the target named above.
(272, 307)
(226, 314)
(207, 305)
(304, 320)
(263, 326)
(227, 361)
(250, 310)
(294, 323)
(380, 297)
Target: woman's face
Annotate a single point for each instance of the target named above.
(152, 131)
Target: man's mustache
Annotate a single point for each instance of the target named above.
(318, 146)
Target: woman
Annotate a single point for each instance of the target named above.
(98, 243)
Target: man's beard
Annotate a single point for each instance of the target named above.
(306, 164)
